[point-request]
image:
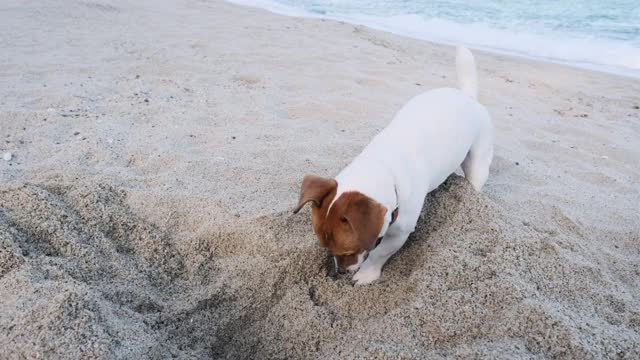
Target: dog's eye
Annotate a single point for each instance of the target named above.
(343, 220)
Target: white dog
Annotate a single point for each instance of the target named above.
(366, 214)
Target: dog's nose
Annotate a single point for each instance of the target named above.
(332, 269)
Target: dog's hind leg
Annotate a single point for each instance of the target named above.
(476, 165)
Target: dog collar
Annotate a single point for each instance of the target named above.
(394, 216)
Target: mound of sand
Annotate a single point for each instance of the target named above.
(83, 275)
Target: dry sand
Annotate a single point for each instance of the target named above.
(157, 149)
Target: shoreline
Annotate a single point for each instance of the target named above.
(284, 10)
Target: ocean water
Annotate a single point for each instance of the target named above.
(596, 34)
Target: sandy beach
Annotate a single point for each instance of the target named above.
(156, 150)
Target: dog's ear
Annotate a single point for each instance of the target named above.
(366, 217)
(314, 188)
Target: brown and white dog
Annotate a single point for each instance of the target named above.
(367, 212)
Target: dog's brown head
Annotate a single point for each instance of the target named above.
(350, 228)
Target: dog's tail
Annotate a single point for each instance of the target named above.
(466, 68)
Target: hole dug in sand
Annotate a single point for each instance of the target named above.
(81, 275)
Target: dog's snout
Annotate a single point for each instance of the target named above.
(335, 268)
(339, 269)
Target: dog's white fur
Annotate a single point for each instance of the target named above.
(427, 140)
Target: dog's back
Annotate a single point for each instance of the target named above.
(430, 137)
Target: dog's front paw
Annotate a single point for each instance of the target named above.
(366, 276)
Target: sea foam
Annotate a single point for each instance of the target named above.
(536, 42)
